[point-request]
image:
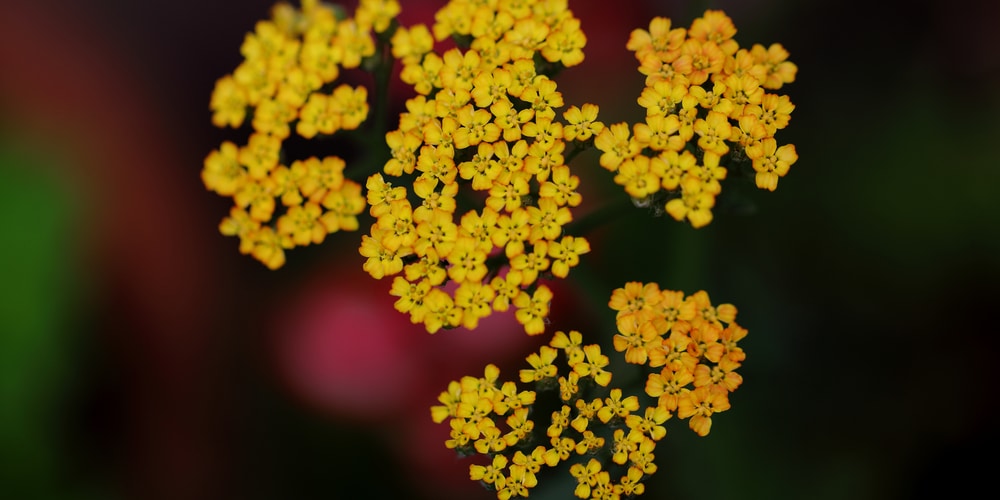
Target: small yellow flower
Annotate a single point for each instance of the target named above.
(713, 131)
(770, 161)
(228, 103)
(491, 474)
(302, 224)
(581, 123)
(222, 170)
(376, 14)
(533, 309)
(700, 404)
(593, 365)
(616, 407)
(695, 203)
(616, 145)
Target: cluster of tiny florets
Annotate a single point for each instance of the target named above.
(606, 435)
(709, 103)
(478, 215)
(287, 84)
(691, 343)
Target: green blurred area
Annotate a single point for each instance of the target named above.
(42, 343)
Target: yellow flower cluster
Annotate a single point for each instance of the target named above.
(286, 83)
(479, 216)
(701, 90)
(694, 342)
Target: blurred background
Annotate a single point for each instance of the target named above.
(141, 356)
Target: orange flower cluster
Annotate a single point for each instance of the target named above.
(709, 103)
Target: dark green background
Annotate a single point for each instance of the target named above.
(130, 354)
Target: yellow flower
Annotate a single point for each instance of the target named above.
(571, 343)
(533, 309)
(441, 311)
(272, 116)
(468, 262)
(698, 60)
(650, 424)
(713, 131)
(565, 45)
(593, 365)
(659, 42)
(318, 116)
(410, 44)
(771, 162)
(459, 70)
(228, 103)
(240, 224)
(542, 96)
(616, 145)
(411, 296)
(511, 232)
(342, 208)
(695, 203)
(381, 261)
(541, 365)
(634, 173)
(475, 126)
(616, 407)
(260, 155)
(475, 299)
(490, 86)
(700, 404)
(519, 481)
(773, 112)
(547, 220)
(302, 224)
(376, 14)
(222, 171)
(582, 123)
(775, 69)
(586, 477)
(356, 42)
(636, 335)
(660, 133)
(491, 474)
(662, 97)
(425, 76)
(566, 254)
(507, 288)
(716, 27)
(527, 266)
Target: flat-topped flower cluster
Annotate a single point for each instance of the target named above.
(477, 216)
(607, 435)
(471, 200)
(708, 103)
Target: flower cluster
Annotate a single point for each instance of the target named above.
(478, 218)
(708, 103)
(694, 342)
(287, 83)
(472, 195)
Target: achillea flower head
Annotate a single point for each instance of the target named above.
(287, 84)
(481, 156)
(708, 98)
(605, 434)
